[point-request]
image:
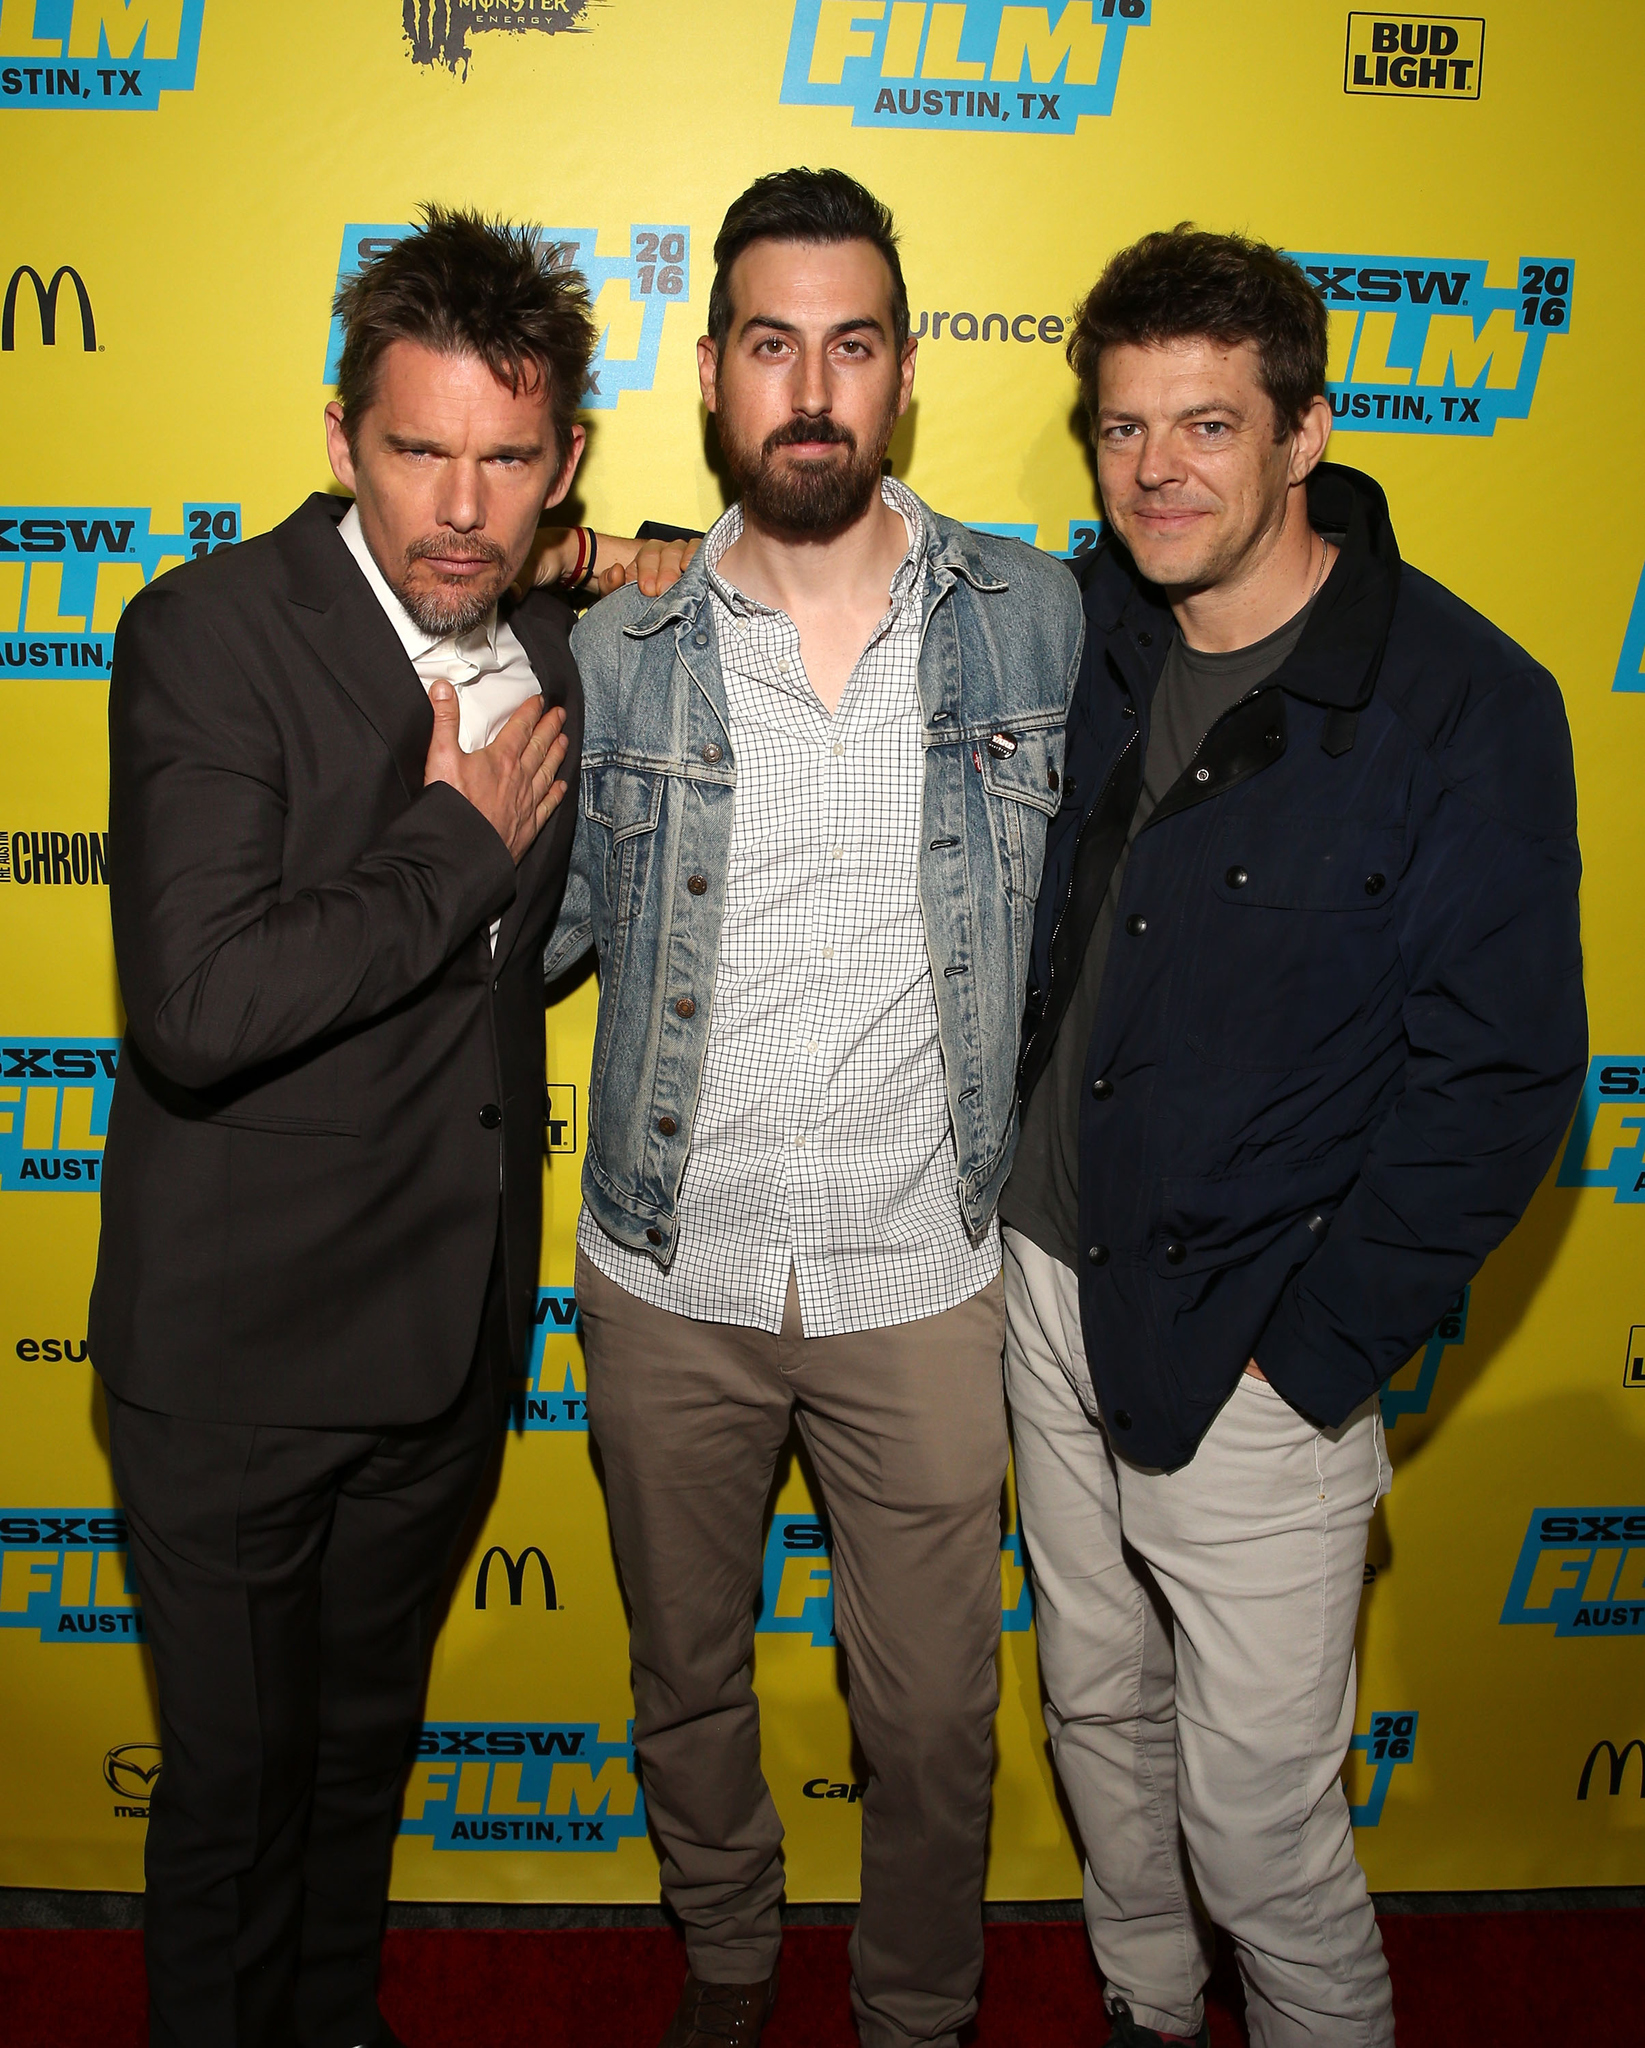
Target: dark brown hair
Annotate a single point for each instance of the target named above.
(464, 285)
(1184, 283)
(804, 206)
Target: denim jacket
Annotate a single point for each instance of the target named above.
(1001, 632)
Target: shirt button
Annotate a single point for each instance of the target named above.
(828, 952)
(697, 884)
(711, 752)
(837, 749)
(667, 1126)
(685, 1007)
(1175, 1254)
(653, 1235)
(490, 1116)
(1102, 1089)
(1098, 1255)
(799, 1144)
(1236, 878)
(1136, 925)
(811, 1045)
(835, 853)
(1122, 1418)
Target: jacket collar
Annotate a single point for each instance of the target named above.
(1337, 660)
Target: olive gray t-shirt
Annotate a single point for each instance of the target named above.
(1041, 1198)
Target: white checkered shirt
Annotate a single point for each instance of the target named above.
(822, 1138)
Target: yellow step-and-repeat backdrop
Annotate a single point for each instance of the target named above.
(187, 180)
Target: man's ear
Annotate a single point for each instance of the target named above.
(576, 442)
(1308, 441)
(337, 448)
(708, 370)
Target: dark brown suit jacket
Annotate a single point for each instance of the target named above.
(300, 1191)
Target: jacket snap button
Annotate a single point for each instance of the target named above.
(699, 638)
(1122, 1418)
(711, 752)
(685, 1007)
(1202, 775)
(490, 1116)
(1098, 1255)
(667, 1126)
(1144, 639)
(1375, 884)
(1102, 1089)
(1236, 878)
(653, 1235)
(1175, 1254)
(697, 884)
(1136, 925)
(1052, 777)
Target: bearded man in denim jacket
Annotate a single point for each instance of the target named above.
(817, 777)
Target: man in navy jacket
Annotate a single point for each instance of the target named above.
(1305, 1026)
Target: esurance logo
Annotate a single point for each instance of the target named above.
(63, 1575)
(522, 1785)
(54, 1112)
(121, 54)
(1391, 1740)
(797, 1584)
(984, 65)
(45, 297)
(631, 295)
(555, 1392)
(1422, 57)
(1451, 1328)
(68, 571)
(1583, 1571)
(1423, 345)
(1604, 1149)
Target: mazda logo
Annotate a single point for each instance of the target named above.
(130, 1769)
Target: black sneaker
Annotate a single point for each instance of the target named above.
(1127, 2034)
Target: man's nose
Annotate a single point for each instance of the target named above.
(1154, 464)
(812, 391)
(462, 497)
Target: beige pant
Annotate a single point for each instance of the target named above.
(905, 1427)
(1196, 1635)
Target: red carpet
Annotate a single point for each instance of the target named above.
(1510, 1980)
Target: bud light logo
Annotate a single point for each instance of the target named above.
(1423, 345)
(631, 295)
(982, 65)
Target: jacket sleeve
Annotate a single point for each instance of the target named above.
(220, 969)
(1496, 1033)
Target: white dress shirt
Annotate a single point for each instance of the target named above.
(487, 666)
(821, 1139)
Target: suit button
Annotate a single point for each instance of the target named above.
(1375, 884)
(653, 1235)
(1098, 1255)
(1136, 925)
(1102, 1090)
(1175, 1254)
(667, 1126)
(697, 884)
(1122, 1418)
(1236, 878)
(1143, 639)
(685, 1007)
(490, 1116)
(712, 752)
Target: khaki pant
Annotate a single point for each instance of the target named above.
(905, 1427)
(1196, 1636)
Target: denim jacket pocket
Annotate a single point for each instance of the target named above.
(627, 803)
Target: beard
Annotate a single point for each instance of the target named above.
(451, 607)
(812, 499)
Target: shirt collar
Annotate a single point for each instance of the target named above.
(479, 641)
(727, 530)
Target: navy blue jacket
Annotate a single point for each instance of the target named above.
(1341, 1027)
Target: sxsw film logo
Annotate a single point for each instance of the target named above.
(1420, 57)
(522, 1785)
(130, 1771)
(555, 1392)
(63, 1575)
(981, 65)
(54, 1112)
(1451, 1328)
(631, 295)
(514, 1576)
(1082, 535)
(797, 1583)
(67, 571)
(45, 296)
(438, 30)
(1583, 1570)
(1630, 667)
(55, 859)
(1423, 345)
(122, 54)
(1390, 1740)
(1616, 1762)
(1606, 1148)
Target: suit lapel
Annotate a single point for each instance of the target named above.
(345, 625)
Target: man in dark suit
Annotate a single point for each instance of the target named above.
(336, 813)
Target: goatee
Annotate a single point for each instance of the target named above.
(452, 607)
